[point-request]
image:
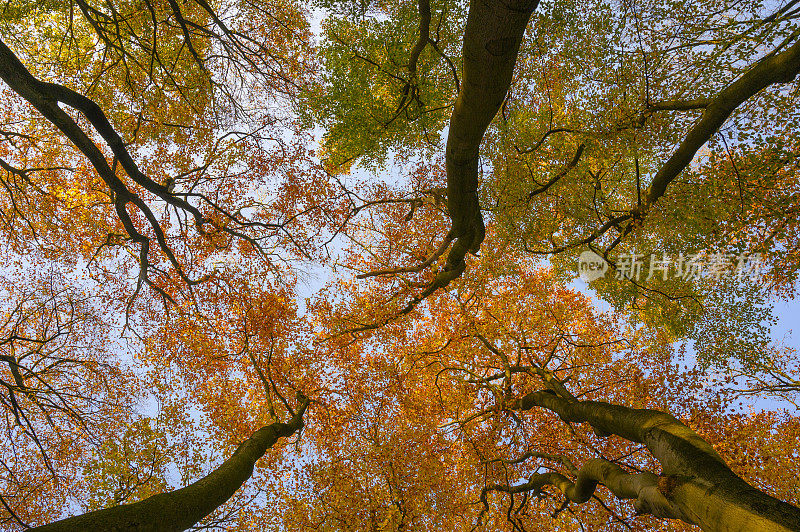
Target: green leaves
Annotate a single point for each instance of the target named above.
(369, 101)
(129, 467)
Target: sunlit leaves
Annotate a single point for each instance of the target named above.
(369, 101)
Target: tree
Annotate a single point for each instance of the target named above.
(196, 122)
(490, 350)
(180, 509)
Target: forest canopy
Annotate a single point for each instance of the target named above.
(396, 266)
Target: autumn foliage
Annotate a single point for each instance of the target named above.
(289, 266)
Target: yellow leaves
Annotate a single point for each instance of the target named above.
(75, 194)
(128, 469)
(227, 355)
(393, 520)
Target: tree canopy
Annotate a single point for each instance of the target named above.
(393, 266)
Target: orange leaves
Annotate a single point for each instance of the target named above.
(415, 399)
(453, 369)
(239, 350)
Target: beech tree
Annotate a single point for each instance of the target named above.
(172, 172)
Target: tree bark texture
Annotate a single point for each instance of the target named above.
(492, 40)
(695, 485)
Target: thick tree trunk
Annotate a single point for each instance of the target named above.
(491, 44)
(695, 485)
(182, 508)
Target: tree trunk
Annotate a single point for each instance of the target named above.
(491, 44)
(695, 485)
(182, 508)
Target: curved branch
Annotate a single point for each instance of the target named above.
(491, 44)
(492, 40)
(774, 68)
(642, 487)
